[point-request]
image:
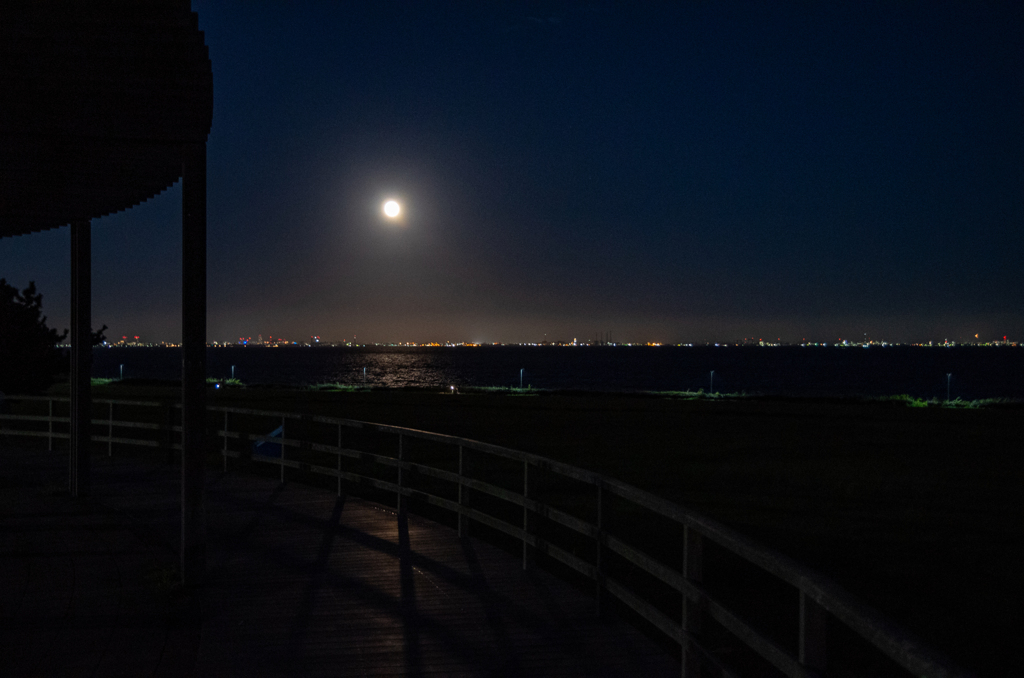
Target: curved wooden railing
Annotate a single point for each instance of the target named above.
(553, 510)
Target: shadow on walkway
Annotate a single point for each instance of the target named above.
(300, 582)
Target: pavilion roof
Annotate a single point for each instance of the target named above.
(97, 102)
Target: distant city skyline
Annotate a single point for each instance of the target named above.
(679, 173)
(270, 341)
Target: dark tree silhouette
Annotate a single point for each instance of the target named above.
(30, 359)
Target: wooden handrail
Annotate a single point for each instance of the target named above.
(818, 594)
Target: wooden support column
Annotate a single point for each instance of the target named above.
(81, 358)
(193, 365)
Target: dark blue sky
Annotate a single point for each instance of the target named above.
(683, 171)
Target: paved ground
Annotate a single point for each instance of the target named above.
(300, 583)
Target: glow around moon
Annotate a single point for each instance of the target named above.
(392, 209)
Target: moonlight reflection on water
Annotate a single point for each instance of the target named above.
(977, 372)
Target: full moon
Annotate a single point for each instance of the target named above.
(392, 209)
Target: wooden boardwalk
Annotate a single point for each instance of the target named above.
(300, 582)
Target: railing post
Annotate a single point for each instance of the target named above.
(282, 448)
(110, 429)
(598, 565)
(463, 522)
(813, 620)
(224, 453)
(526, 512)
(693, 572)
(400, 504)
(339, 460)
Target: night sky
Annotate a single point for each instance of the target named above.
(676, 172)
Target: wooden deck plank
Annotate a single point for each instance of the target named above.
(299, 583)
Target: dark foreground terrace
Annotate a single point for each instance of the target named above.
(300, 582)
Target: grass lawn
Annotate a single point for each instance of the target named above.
(918, 511)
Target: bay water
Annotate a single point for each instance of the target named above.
(968, 372)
